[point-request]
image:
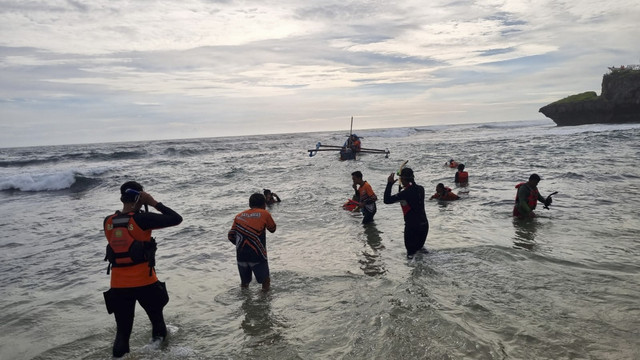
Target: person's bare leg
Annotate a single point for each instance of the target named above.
(266, 284)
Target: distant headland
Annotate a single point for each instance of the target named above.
(619, 101)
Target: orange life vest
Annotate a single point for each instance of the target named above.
(356, 145)
(128, 244)
(448, 196)
(532, 200)
(463, 176)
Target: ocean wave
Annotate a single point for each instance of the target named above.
(186, 152)
(51, 181)
(26, 162)
(409, 131)
(572, 176)
(513, 124)
(387, 133)
(592, 128)
(117, 155)
(38, 159)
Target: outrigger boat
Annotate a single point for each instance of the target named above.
(346, 153)
(350, 149)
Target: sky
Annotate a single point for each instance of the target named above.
(98, 71)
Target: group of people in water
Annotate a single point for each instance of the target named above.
(461, 178)
(411, 198)
(131, 247)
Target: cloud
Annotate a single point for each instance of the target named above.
(208, 68)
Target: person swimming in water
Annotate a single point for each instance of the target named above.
(444, 193)
(271, 197)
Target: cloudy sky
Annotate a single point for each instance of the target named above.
(75, 71)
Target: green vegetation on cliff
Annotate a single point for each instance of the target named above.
(623, 71)
(589, 95)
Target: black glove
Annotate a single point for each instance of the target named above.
(548, 201)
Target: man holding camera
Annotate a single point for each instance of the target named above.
(131, 256)
(527, 198)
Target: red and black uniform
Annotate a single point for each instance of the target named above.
(131, 255)
(416, 225)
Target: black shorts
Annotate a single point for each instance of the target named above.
(153, 296)
(259, 269)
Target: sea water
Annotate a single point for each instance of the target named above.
(563, 285)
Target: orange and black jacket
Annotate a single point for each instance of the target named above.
(128, 271)
(248, 234)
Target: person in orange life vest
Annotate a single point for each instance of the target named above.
(444, 193)
(270, 197)
(366, 197)
(411, 199)
(527, 198)
(248, 235)
(355, 143)
(131, 256)
(462, 177)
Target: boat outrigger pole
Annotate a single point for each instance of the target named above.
(312, 152)
(351, 128)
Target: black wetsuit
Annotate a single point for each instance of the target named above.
(416, 225)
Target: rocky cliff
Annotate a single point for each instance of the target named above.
(619, 101)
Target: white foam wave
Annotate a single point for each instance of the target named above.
(39, 182)
(54, 179)
(94, 171)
